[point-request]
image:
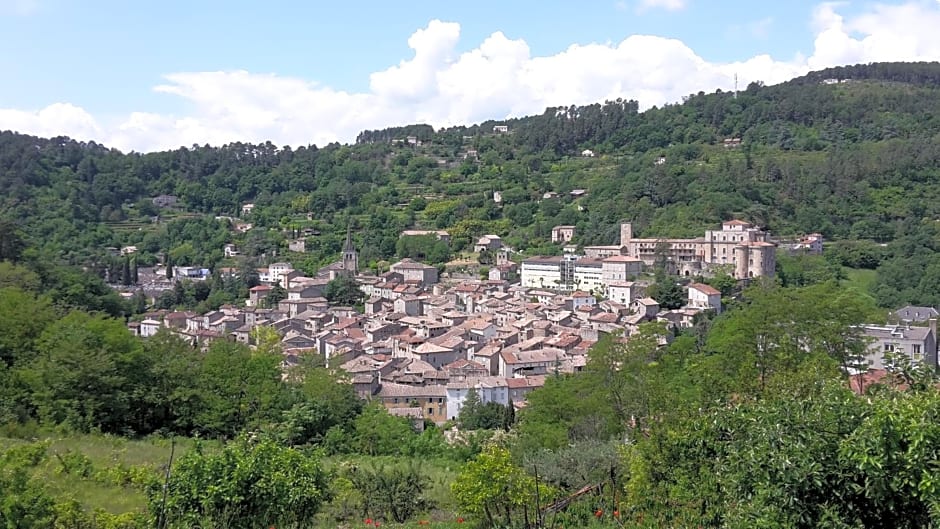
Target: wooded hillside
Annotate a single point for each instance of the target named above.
(851, 152)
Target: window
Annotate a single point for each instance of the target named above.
(430, 411)
(916, 349)
(889, 348)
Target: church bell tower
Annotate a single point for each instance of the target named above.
(350, 257)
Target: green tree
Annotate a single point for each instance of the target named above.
(238, 388)
(246, 484)
(344, 291)
(275, 296)
(126, 278)
(326, 400)
(477, 415)
(25, 503)
(376, 432)
(894, 451)
(667, 291)
(23, 317)
(394, 493)
(81, 375)
(495, 489)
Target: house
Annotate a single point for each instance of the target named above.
(520, 387)
(409, 305)
(620, 268)
(913, 314)
(580, 299)
(498, 197)
(488, 242)
(297, 245)
(731, 143)
(487, 388)
(587, 153)
(257, 294)
(562, 233)
(549, 195)
(441, 235)
(916, 344)
(645, 307)
(230, 250)
(578, 193)
(534, 362)
(431, 400)
(542, 272)
(165, 201)
(623, 292)
(659, 161)
(275, 273)
(501, 272)
(415, 272)
(191, 272)
(149, 327)
(247, 208)
(704, 297)
(811, 244)
(500, 129)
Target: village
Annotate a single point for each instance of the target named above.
(421, 342)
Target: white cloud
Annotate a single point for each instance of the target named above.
(54, 120)
(499, 78)
(669, 5)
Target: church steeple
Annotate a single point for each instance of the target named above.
(350, 257)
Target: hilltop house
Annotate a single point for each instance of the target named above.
(488, 242)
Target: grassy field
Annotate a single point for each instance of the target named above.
(109, 473)
(99, 471)
(859, 279)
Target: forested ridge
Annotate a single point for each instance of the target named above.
(748, 419)
(854, 160)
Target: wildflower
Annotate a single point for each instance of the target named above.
(459, 520)
(368, 521)
(616, 514)
(598, 513)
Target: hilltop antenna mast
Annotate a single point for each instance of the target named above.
(735, 86)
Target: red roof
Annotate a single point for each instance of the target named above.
(705, 289)
(260, 288)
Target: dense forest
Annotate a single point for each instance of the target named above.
(748, 419)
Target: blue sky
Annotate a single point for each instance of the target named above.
(156, 75)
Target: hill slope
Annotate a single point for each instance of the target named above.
(854, 160)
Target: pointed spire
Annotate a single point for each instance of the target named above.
(349, 245)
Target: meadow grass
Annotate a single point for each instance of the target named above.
(95, 470)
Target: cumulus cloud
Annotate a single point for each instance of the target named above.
(669, 5)
(54, 120)
(498, 78)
